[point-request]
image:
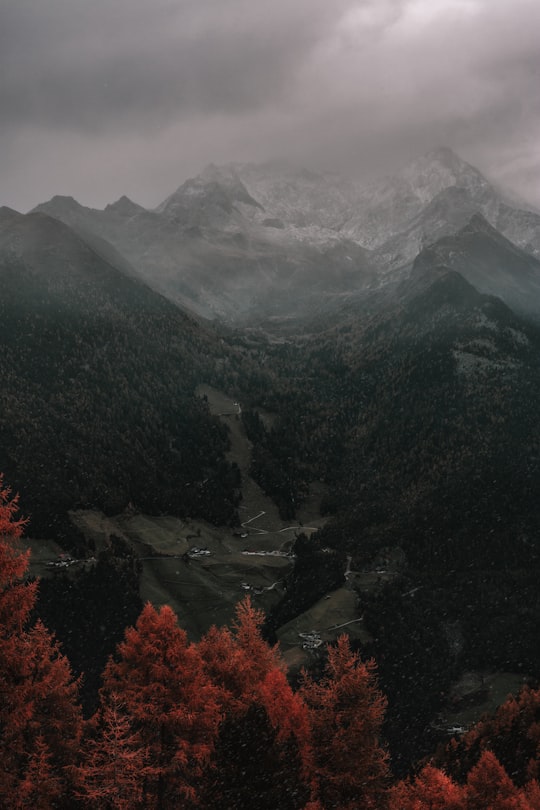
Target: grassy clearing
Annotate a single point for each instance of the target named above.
(499, 685)
(334, 614)
(205, 590)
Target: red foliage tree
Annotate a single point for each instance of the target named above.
(430, 790)
(40, 721)
(159, 677)
(346, 712)
(40, 787)
(490, 788)
(113, 760)
(512, 734)
(531, 792)
(262, 740)
(17, 598)
(238, 661)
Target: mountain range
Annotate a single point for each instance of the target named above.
(245, 242)
(394, 381)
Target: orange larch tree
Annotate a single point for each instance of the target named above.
(40, 721)
(512, 733)
(531, 791)
(240, 662)
(17, 598)
(346, 711)
(490, 788)
(432, 789)
(160, 680)
(261, 748)
(113, 765)
(40, 788)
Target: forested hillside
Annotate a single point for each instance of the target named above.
(421, 418)
(98, 378)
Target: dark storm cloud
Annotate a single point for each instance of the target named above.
(104, 97)
(107, 63)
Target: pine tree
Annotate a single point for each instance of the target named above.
(490, 788)
(40, 787)
(159, 678)
(263, 737)
(432, 789)
(40, 721)
(113, 766)
(346, 711)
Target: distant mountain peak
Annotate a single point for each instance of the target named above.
(439, 169)
(124, 207)
(217, 187)
(446, 156)
(65, 198)
(8, 214)
(60, 205)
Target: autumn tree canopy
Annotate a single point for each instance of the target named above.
(216, 724)
(40, 720)
(346, 711)
(159, 678)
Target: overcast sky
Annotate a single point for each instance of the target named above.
(100, 98)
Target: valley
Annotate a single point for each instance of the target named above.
(277, 385)
(202, 570)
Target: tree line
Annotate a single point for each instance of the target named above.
(216, 724)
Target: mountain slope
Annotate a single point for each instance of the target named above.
(488, 261)
(98, 374)
(387, 206)
(444, 448)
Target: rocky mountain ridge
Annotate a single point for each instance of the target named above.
(245, 241)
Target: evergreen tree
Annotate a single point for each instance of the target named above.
(159, 678)
(490, 788)
(253, 767)
(432, 789)
(40, 721)
(346, 712)
(113, 759)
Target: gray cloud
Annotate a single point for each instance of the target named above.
(132, 96)
(110, 64)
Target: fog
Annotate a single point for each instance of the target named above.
(133, 96)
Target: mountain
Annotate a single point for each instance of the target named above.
(296, 197)
(433, 196)
(245, 242)
(488, 261)
(406, 405)
(212, 247)
(97, 407)
(386, 207)
(216, 199)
